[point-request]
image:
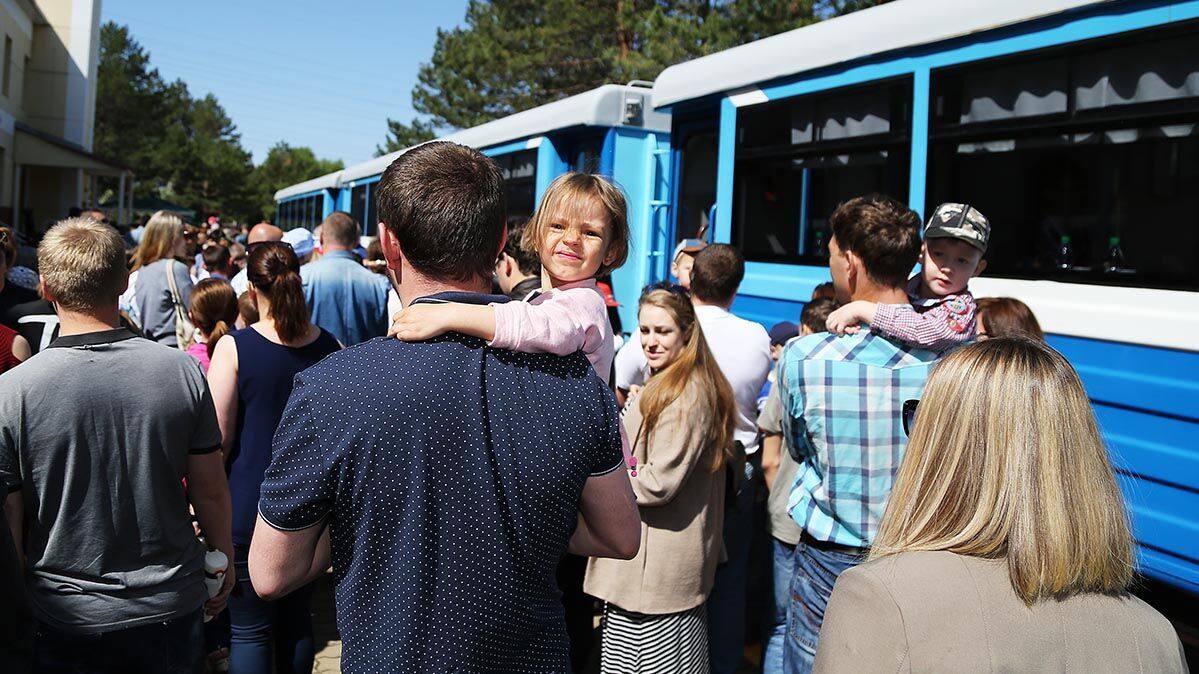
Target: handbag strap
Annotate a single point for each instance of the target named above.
(174, 288)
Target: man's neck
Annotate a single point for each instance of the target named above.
(80, 323)
(333, 248)
(411, 289)
(695, 301)
(870, 292)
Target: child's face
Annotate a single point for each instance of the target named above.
(681, 268)
(575, 245)
(947, 265)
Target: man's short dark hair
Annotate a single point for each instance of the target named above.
(717, 273)
(883, 233)
(216, 257)
(528, 262)
(341, 228)
(445, 204)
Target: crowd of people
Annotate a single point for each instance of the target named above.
(906, 479)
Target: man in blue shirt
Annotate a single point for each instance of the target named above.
(445, 478)
(344, 297)
(842, 400)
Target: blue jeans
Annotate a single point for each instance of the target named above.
(816, 571)
(783, 568)
(726, 602)
(171, 647)
(265, 632)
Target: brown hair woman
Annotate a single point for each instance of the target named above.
(251, 379)
(682, 425)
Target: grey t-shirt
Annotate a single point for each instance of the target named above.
(95, 432)
(770, 420)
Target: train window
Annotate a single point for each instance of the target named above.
(520, 176)
(1089, 192)
(358, 202)
(697, 183)
(587, 156)
(798, 159)
(372, 212)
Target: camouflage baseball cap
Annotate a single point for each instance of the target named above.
(959, 221)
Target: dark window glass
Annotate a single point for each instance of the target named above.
(697, 184)
(372, 212)
(358, 203)
(520, 180)
(799, 158)
(1091, 190)
(587, 156)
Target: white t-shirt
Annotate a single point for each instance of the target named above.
(742, 351)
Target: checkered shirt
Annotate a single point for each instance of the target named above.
(843, 400)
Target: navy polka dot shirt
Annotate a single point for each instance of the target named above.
(450, 474)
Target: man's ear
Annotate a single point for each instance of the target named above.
(854, 270)
(49, 296)
(503, 242)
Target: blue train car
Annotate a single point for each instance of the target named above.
(1073, 125)
(612, 130)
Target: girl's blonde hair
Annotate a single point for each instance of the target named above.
(1006, 461)
(158, 240)
(695, 363)
(570, 193)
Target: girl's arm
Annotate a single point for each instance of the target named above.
(419, 322)
(561, 323)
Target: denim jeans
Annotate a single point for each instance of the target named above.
(265, 632)
(171, 647)
(726, 602)
(782, 569)
(816, 571)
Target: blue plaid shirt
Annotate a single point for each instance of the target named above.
(843, 400)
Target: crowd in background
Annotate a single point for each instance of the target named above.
(904, 479)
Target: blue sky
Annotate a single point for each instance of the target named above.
(325, 75)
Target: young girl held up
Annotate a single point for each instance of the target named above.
(580, 231)
(213, 310)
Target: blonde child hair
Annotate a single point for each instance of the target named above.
(570, 193)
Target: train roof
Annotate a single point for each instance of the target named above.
(884, 28)
(603, 106)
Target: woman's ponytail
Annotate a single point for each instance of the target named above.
(274, 271)
(219, 330)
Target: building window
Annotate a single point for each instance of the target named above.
(797, 159)
(7, 65)
(1082, 157)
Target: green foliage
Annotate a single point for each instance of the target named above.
(286, 165)
(181, 148)
(512, 55)
(401, 136)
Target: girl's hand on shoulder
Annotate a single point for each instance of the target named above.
(419, 322)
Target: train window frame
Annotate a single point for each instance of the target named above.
(889, 150)
(1101, 154)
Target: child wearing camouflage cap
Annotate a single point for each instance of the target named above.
(941, 313)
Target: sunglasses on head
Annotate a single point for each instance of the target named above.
(909, 415)
(672, 288)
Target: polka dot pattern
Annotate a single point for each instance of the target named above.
(451, 475)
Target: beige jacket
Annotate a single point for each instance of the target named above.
(682, 514)
(942, 612)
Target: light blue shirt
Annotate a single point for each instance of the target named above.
(345, 298)
(842, 401)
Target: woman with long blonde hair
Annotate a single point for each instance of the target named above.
(160, 286)
(1005, 545)
(682, 425)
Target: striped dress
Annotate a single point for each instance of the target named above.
(636, 643)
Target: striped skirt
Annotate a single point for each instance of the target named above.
(635, 643)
